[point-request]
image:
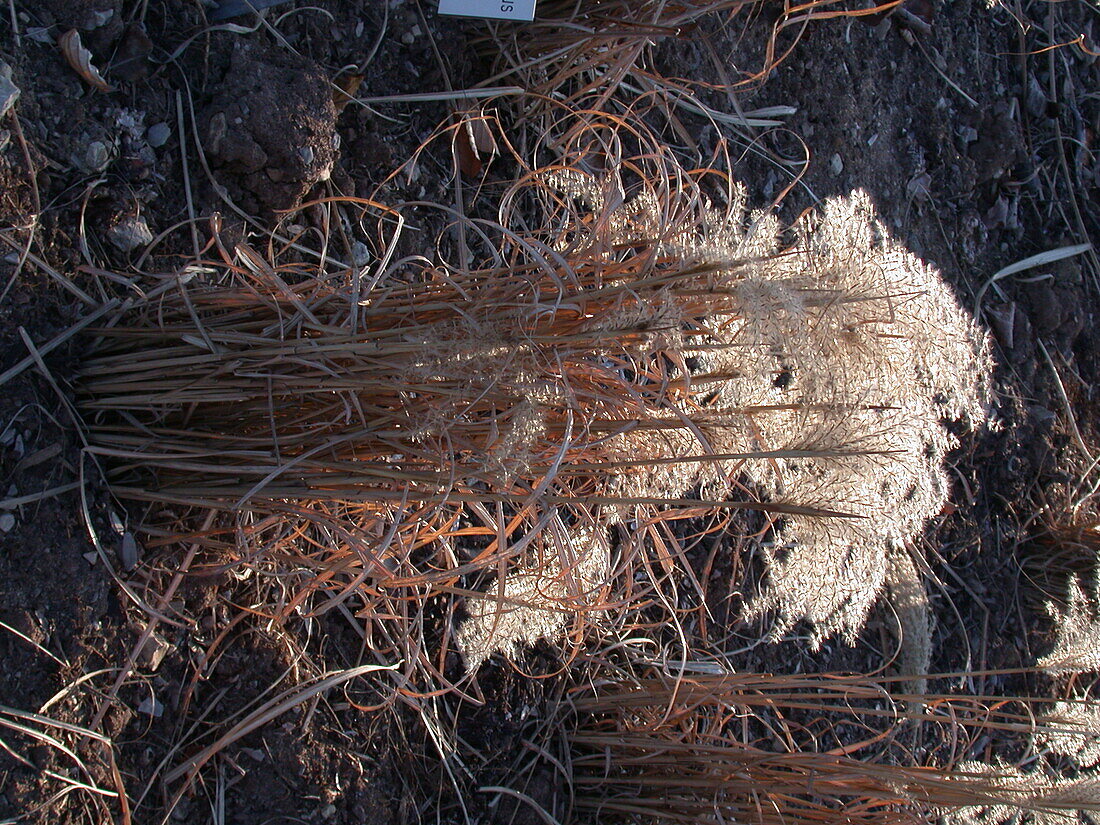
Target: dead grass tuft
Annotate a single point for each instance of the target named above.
(385, 441)
(767, 748)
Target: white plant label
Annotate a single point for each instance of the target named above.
(495, 9)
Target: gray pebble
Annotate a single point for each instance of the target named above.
(9, 92)
(158, 135)
(97, 156)
(130, 233)
(128, 553)
(7, 522)
(151, 707)
(40, 34)
(360, 254)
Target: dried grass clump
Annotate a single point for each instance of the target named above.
(793, 749)
(536, 602)
(578, 49)
(1074, 732)
(1077, 625)
(825, 383)
(386, 440)
(1026, 798)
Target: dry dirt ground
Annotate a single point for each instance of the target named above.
(977, 142)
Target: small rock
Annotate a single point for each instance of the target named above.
(128, 552)
(131, 233)
(131, 60)
(306, 154)
(40, 34)
(9, 92)
(153, 652)
(408, 38)
(360, 254)
(997, 214)
(919, 187)
(1041, 414)
(96, 157)
(91, 557)
(836, 165)
(1036, 98)
(216, 132)
(1047, 309)
(1003, 319)
(158, 135)
(98, 19)
(7, 522)
(151, 707)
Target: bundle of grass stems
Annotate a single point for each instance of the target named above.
(830, 748)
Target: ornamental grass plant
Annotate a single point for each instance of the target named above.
(632, 346)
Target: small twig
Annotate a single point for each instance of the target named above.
(434, 97)
(49, 270)
(913, 21)
(45, 349)
(288, 700)
(30, 498)
(943, 74)
(188, 198)
(1041, 259)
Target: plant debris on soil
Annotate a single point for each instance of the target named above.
(149, 675)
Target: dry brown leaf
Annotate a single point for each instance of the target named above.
(81, 60)
(482, 136)
(468, 161)
(346, 87)
(474, 144)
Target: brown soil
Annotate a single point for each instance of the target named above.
(971, 187)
